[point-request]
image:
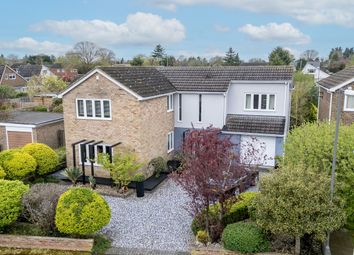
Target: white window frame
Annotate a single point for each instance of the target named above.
(93, 109)
(170, 141)
(87, 160)
(346, 94)
(180, 110)
(12, 76)
(170, 103)
(260, 102)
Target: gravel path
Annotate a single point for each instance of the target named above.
(157, 221)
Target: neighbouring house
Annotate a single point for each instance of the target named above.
(19, 128)
(314, 68)
(340, 84)
(8, 76)
(29, 70)
(66, 74)
(150, 109)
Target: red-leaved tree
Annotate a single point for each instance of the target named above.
(211, 168)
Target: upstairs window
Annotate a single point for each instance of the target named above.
(12, 76)
(200, 108)
(170, 103)
(265, 102)
(93, 108)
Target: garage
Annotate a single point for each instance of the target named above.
(258, 150)
(18, 138)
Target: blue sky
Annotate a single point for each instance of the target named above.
(184, 27)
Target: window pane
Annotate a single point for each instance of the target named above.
(168, 142)
(264, 102)
(255, 101)
(200, 108)
(80, 108)
(180, 106)
(168, 102)
(99, 149)
(350, 102)
(89, 108)
(271, 102)
(98, 110)
(107, 109)
(248, 101)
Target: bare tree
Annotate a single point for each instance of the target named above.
(309, 55)
(87, 52)
(106, 56)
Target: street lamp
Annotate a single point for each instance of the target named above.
(334, 160)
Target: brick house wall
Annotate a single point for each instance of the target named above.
(346, 117)
(140, 125)
(19, 81)
(48, 134)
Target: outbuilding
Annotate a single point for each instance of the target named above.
(19, 128)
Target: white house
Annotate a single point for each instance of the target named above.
(313, 68)
(252, 104)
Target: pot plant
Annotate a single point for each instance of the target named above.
(139, 182)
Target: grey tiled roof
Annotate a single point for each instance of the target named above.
(217, 79)
(145, 81)
(31, 118)
(337, 78)
(28, 70)
(255, 124)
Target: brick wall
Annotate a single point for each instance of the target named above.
(17, 82)
(48, 134)
(323, 107)
(141, 125)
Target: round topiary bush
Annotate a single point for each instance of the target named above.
(47, 159)
(244, 237)
(2, 173)
(10, 201)
(81, 211)
(18, 165)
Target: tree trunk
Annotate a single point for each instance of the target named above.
(297, 245)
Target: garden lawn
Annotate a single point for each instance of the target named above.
(157, 221)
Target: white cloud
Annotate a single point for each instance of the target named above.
(340, 12)
(221, 29)
(31, 45)
(139, 28)
(283, 32)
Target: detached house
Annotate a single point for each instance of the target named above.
(313, 68)
(149, 109)
(340, 84)
(28, 70)
(9, 77)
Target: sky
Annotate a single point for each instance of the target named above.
(203, 28)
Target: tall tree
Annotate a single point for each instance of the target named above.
(106, 57)
(309, 55)
(280, 56)
(295, 201)
(158, 52)
(303, 100)
(231, 58)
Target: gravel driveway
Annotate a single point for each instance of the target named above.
(157, 221)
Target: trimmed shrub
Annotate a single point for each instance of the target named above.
(81, 211)
(61, 152)
(203, 237)
(40, 203)
(159, 165)
(2, 173)
(239, 210)
(244, 237)
(10, 201)
(47, 159)
(18, 165)
(40, 108)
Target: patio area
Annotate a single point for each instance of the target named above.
(157, 221)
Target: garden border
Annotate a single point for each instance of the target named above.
(44, 242)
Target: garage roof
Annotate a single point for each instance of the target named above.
(31, 118)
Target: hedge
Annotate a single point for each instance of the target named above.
(244, 237)
(81, 211)
(10, 201)
(17, 165)
(47, 159)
